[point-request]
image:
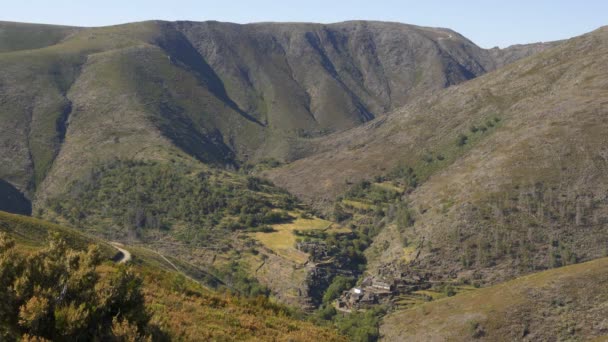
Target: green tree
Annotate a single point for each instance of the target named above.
(336, 287)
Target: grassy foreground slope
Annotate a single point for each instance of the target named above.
(34, 233)
(180, 308)
(568, 303)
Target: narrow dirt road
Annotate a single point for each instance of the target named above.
(126, 255)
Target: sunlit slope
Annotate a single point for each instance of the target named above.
(180, 308)
(568, 303)
(511, 167)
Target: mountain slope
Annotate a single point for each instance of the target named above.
(568, 303)
(219, 92)
(512, 166)
(124, 130)
(19, 36)
(179, 308)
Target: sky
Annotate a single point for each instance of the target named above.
(488, 23)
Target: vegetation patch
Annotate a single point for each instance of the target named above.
(197, 206)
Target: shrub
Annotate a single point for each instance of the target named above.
(273, 217)
(338, 285)
(56, 294)
(306, 216)
(449, 291)
(340, 214)
(462, 140)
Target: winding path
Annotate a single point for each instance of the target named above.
(126, 255)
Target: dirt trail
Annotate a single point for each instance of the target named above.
(126, 255)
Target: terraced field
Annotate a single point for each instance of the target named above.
(282, 240)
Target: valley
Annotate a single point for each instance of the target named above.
(360, 180)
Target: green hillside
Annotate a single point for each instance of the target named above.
(155, 96)
(19, 36)
(177, 308)
(140, 90)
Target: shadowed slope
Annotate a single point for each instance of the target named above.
(13, 201)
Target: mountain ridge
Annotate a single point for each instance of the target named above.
(250, 92)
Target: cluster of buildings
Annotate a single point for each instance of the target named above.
(371, 292)
(391, 280)
(376, 290)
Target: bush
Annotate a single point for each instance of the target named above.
(449, 291)
(462, 140)
(56, 294)
(306, 216)
(338, 285)
(340, 214)
(361, 326)
(273, 217)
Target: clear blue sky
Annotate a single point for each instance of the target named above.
(488, 23)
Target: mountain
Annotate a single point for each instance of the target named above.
(222, 93)
(508, 168)
(413, 154)
(21, 36)
(91, 114)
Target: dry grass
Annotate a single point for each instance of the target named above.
(358, 204)
(567, 303)
(389, 187)
(211, 317)
(181, 308)
(409, 252)
(283, 240)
